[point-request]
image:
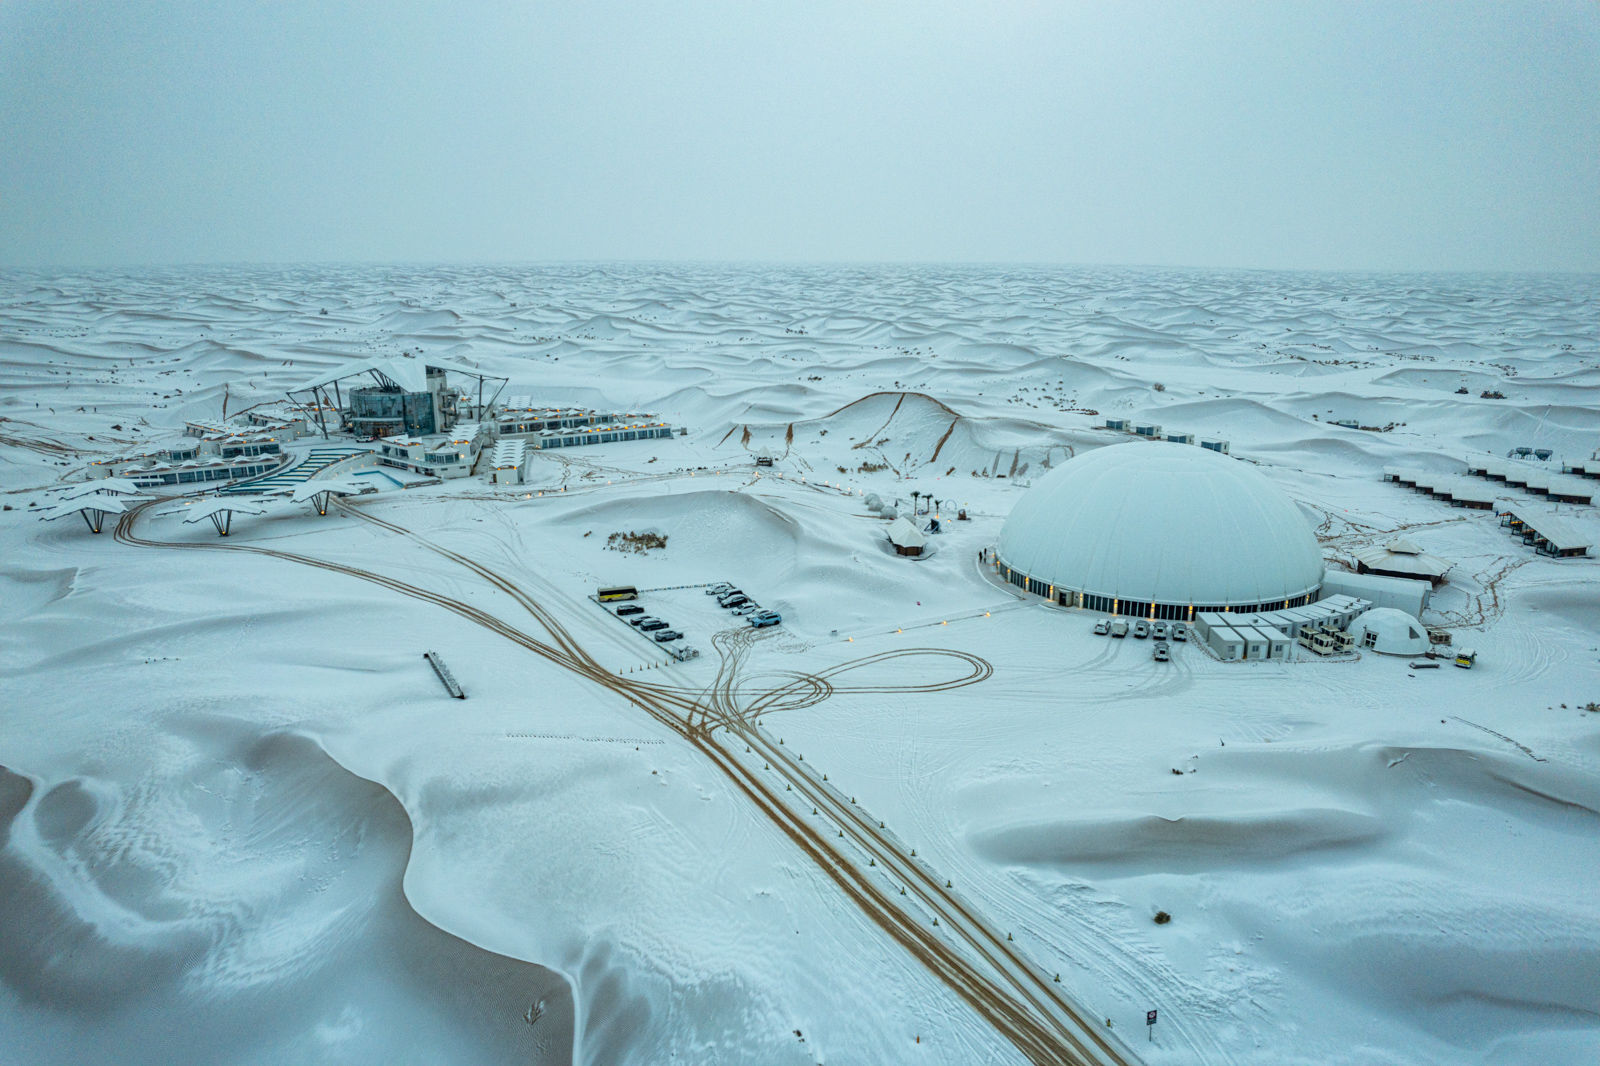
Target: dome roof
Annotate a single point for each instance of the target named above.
(1391, 631)
(1164, 523)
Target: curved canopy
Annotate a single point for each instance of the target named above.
(310, 490)
(1163, 523)
(93, 502)
(200, 510)
(116, 486)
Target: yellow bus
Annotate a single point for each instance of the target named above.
(612, 593)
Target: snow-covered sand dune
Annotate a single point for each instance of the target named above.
(254, 874)
(240, 821)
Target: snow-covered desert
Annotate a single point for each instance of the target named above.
(931, 817)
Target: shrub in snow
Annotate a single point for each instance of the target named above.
(635, 542)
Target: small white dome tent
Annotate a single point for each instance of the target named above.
(1389, 632)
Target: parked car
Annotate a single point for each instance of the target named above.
(736, 599)
(661, 636)
(1180, 632)
(765, 618)
(653, 625)
(1159, 631)
(1119, 628)
(1102, 627)
(748, 608)
(1141, 629)
(718, 589)
(1162, 653)
(640, 619)
(632, 608)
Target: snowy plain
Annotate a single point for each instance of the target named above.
(240, 821)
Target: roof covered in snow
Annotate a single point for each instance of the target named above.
(508, 453)
(1163, 522)
(1412, 560)
(115, 486)
(1557, 532)
(1394, 632)
(94, 502)
(904, 533)
(199, 510)
(341, 486)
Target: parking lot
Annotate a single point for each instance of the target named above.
(672, 620)
(1165, 638)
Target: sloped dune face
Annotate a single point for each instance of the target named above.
(909, 434)
(697, 525)
(985, 343)
(1364, 861)
(1327, 858)
(243, 894)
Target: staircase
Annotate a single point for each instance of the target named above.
(317, 460)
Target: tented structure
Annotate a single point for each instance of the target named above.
(1389, 632)
(1159, 530)
(1402, 558)
(92, 506)
(385, 384)
(111, 486)
(321, 492)
(219, 510)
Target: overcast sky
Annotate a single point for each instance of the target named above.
(1437, 135)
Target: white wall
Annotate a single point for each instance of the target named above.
(1401, 593)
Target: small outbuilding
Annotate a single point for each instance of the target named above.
(1402, 558)
(906, 538)
(1410, 595)
(1389, 632)
(508, 462)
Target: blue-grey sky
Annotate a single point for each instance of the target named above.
(1380, 135)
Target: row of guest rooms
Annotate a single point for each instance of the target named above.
(455, 457)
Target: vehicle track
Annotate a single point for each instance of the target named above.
(1005, 988)
(720, 701)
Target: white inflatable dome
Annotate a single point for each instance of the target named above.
(1390, 631)
(1158, 528)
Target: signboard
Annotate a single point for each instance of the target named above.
(1149, 1017)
